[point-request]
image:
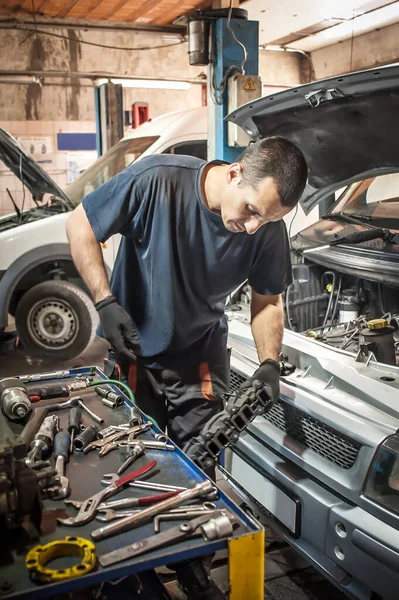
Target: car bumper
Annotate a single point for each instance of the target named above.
(353, 549)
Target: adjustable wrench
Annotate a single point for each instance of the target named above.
(88, 509)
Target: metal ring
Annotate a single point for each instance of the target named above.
(37, 559)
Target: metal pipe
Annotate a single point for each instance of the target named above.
(92, 76)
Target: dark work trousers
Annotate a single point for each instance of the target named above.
(182, 395)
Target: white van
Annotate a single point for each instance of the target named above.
(39, 284)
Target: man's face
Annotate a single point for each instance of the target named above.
(245, 208)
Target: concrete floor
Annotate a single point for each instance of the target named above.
(287, 575)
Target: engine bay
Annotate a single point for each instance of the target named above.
(342, 311)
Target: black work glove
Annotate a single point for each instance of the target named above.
(118, 328)
(268, 373)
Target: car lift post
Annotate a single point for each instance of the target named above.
(246, 554)
(226, 52)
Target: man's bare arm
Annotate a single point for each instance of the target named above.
(87, 254)
(267, 322)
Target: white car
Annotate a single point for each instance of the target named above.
(323, 464)
(39, 284)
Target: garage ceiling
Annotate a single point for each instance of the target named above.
(156, 12)
(298, 24)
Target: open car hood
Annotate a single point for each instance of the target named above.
(344, 125)
(27, 170)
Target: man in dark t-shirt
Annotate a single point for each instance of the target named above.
(192, 232)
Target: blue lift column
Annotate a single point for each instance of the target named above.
(227, 52)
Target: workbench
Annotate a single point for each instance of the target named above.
(245, 547)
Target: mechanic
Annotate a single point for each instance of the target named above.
(192, 232)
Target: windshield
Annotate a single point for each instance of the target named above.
(376, 198)
(111, 163)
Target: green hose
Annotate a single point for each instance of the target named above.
(126, 389)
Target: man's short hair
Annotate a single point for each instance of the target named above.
(279, 158)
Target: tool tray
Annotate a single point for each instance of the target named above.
(84, 473)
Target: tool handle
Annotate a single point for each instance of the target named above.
(62, 444)
(134, 474)
(46, 392)
(147, 500)
(75, 415)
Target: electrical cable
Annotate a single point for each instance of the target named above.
(228, 25)
(217, 91)
(64, 37)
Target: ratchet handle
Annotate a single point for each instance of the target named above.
(134, 474)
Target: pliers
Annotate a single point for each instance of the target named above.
(89, 507)
(104, 444)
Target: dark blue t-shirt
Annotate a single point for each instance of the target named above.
(176, 262)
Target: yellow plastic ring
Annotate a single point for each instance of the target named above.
(37, 559)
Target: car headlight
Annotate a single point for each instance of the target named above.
(382, 484)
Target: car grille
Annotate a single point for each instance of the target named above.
(310, 432)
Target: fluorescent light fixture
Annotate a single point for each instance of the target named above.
(273, 48)
(153, 84)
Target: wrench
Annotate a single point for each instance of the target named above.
(109, 478)
(128, 523)
(124, 502)
(223, 523)
(88, 509)
(90, 412)
(109, 514)
(178, 517)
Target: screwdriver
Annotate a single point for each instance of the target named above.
(75, 415)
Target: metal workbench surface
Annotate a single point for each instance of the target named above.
(84, 473)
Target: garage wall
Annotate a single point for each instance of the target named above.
(35, 113)
(373, 49)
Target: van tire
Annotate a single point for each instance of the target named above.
(56, 319)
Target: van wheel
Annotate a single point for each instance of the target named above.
(56, 319)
